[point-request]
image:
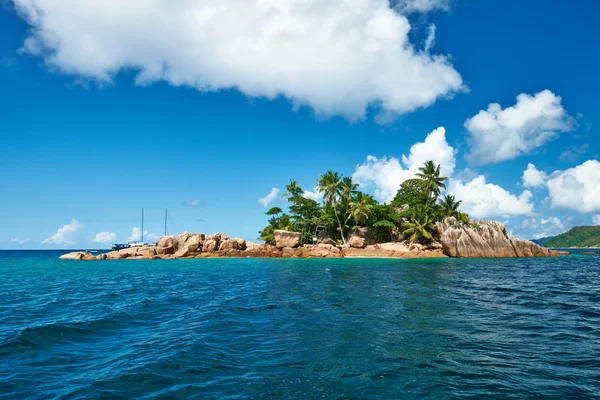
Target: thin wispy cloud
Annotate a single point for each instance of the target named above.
(18, 241)
(269, 198)
(193, 203)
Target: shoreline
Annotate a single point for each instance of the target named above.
(574, 248)
(455, 240)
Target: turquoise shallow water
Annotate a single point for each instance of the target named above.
(286, 329)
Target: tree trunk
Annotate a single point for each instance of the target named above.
(339, 224)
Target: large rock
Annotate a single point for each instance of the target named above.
(215, 236)
(181, 239)
(166, 241)
(356, 242)
(182, 252)
(486, 239)
(126, 253)
(194, 242)
(145, 252)
(164, 250)
(526, 248)
(241, 242)
(229, 244)
(286, 238)
(311, 251)
(365, 233)
(262, 251)
(113, 255)
(77, 255)
(318, 251)
(370, 236)
(394, 250)
(210, 245)
(233, 244)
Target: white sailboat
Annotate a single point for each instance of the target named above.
(141, 242)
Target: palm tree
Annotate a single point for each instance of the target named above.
(293, 189)
(330, 184)
(420, 224)
(432, 181)
(361, 206)
(274, 211)
(349, 188)
(450, 206)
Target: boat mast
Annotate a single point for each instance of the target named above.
(165, 222)
(142, 225)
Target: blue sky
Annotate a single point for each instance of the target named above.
(106, 110)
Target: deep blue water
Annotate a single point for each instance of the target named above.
(247, 328)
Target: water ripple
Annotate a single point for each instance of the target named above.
(299, 328)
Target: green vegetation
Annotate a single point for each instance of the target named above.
(543, 240)
(412, 213)
(580, 236)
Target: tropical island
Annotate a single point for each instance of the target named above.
(417, 223)
(577, 237)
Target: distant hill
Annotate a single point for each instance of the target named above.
(543, 241)
(580, 236)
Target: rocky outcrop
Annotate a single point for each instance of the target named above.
(77, 255)
(164, 250)
(356, 242)
(233, 244)
(486, 239)
(241, 243)
(312, 251)
(182, 252)
(286, 238)
(166, 241)
(263, 251)
(194, 242)
(210, 245)
(395, 250)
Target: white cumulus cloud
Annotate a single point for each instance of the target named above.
(336, 56)
(596, 219)
(136, 234)
(434, 148)
(532, 177)
(386, 174)
(481, 199)
(313, 195)
(498, 134)
(577, 188)
(105, 237)
(268, 199)
(543, 227)
(65, 235)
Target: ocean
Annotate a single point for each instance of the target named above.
(297, 329)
